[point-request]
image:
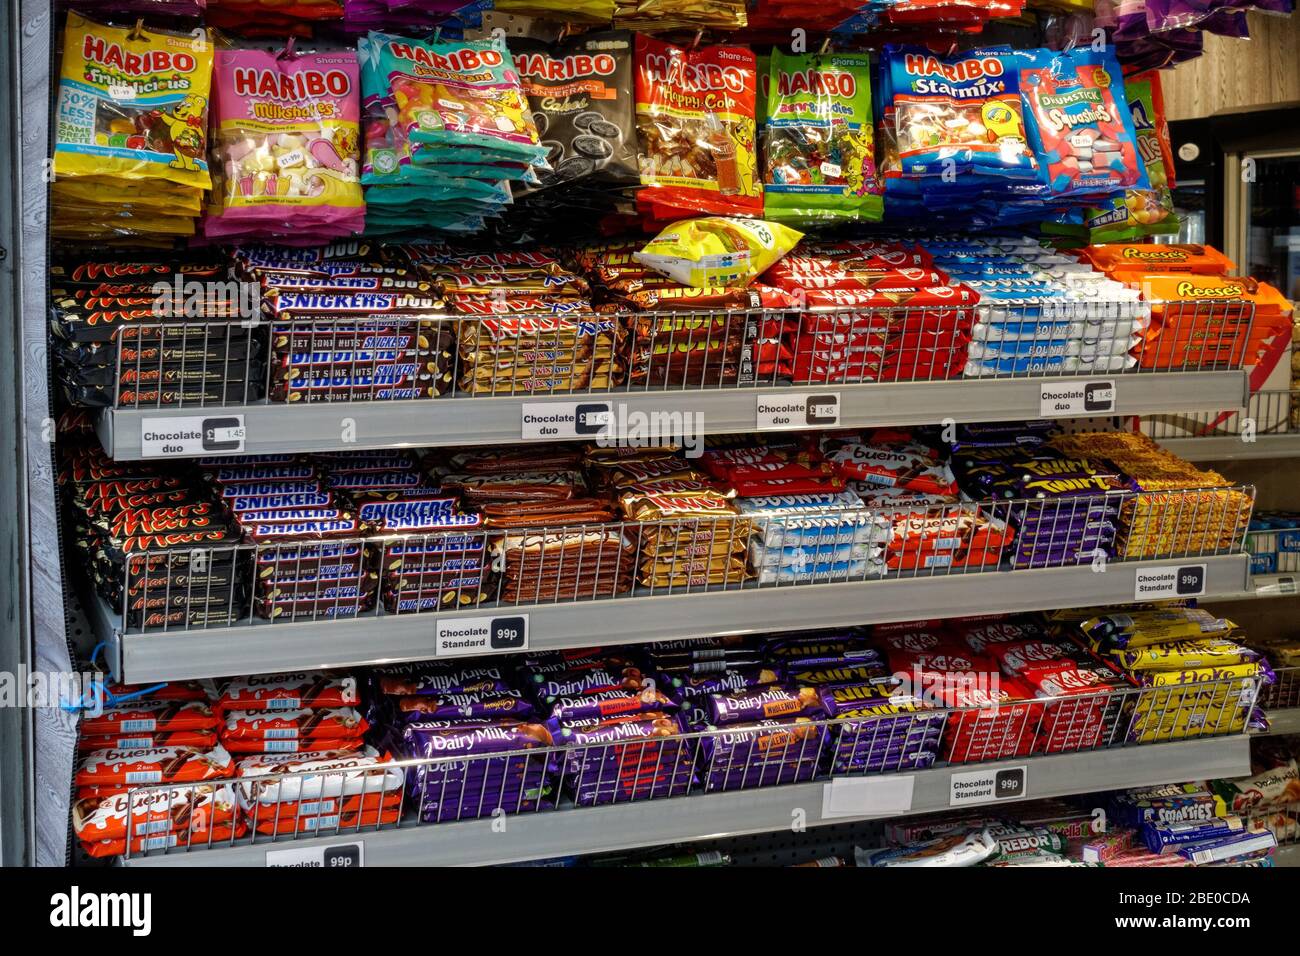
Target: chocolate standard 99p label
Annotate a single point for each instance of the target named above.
(338, 855)
(462, 636)
(988, 786)
(795, 410)
(1170, 581)
(192, 435)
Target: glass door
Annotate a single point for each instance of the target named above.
(1270, 221)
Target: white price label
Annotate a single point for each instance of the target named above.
(465, 636)
(1056, 399)
(783, 411)
(343, 855)
(831, 170)
(294, 157)
(1170, 581)
(563, 420)
(988, 786)
(121, 91)
(883, 796)
(190, 436)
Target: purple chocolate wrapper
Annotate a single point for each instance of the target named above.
(763, 703)
(684, 688)
(506, 703)
(611, 703)
(424, 741)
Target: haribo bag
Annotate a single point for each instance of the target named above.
(462, 94)
(695, 122)
(133, 104)
(959, 116)
(287, 143)
(819, 160)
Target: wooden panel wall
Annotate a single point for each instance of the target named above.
(1233, 74)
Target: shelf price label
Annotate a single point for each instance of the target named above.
(340, 855)
(558, 420)
(988, 786)
(192, 435)
(1076, 398)
(783, 411)
(883, 796)
(1171, 581)
(466, 636)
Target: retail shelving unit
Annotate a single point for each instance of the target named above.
(537, 836)
(279, 428)
(264, 647)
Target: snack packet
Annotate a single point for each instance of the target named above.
(819, 147)
(1080, 123)
(287, 145)
(1142, 212)
(717, 251)
(133, 104)
(461, 94)
(695, 119)
(960, 117)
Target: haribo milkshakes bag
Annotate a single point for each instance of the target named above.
(287, 145)
(1080, 123)
(695, 122)
(819, 142)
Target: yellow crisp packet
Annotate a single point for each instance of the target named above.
(717, 250)
(133, 103)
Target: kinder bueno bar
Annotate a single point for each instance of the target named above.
(124, 768)
(191, 808)
(277, 778)
(148, 717)
(292, 725)
(292, 691)
(193, 739)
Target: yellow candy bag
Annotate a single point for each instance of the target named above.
(717, 250)
(133, 104)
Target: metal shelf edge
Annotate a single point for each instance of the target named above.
(537, 836)
(1281, 722)
(1232, 448)
(265, 648)
(497, 420)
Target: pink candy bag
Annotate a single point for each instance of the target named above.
(286, 147)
